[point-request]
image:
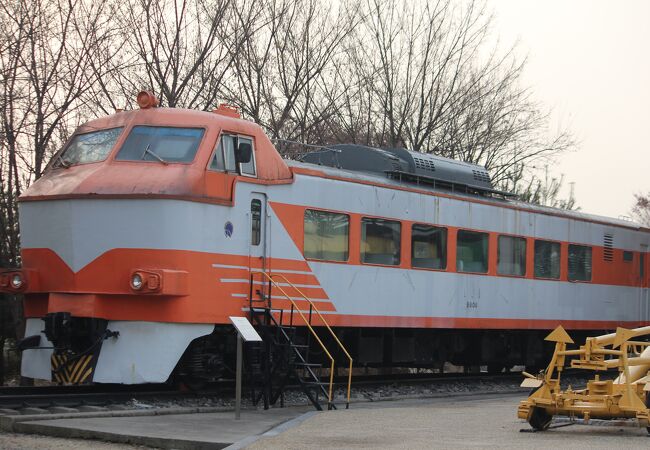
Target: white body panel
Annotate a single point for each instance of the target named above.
(144, 352)
(36, 363)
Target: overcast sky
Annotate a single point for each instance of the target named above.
(589, 61)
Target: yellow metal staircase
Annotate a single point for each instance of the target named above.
(272, 318)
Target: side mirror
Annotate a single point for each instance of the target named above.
(244, 152)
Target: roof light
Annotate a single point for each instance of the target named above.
(147, 100)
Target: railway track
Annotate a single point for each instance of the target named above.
(93, 396)
(50, 399)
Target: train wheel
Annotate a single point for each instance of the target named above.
(540, 419)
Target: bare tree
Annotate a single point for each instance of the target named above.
(47, 50)
(543, 189)
(641, 209)
(173, 47)
(285, 62)
(419, 76)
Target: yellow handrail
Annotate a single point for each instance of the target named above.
(347, 405)
(331, 383)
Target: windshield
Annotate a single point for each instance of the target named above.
(88, 147)
(163, 144)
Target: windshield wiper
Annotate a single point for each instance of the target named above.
(151, 152)
(62, 162)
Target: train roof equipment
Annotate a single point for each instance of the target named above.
(409, 166)
(625, 397)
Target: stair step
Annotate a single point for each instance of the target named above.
(315, 383)
(307, 364)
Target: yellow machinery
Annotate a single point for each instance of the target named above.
(627, 396)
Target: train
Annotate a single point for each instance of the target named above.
(139, 241)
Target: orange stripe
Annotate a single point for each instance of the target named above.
(474, 323)
(302, 305)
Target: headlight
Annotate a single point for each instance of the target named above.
(16, 281)
(136, 281)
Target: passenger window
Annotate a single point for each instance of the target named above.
(163, 144)
(628, 256)
(547, 259)
(326, 235)
(511, 256)
(472, 252)
(256, 222)
(579, 263)
(428, 247)
(380, 241)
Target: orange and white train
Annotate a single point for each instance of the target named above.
(139, 240)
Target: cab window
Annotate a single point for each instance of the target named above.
(88, 147)
(163, 144)
(224, 160)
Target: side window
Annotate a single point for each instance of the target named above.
(547, 259)
(380, 241)
(579, 263)
(249, 167)
(628, 256)
(217, 162)
(472, 252)
(511, 256)
(229, 143)
(428, 247)
(256, 221)
(223, 158)
(326, 235)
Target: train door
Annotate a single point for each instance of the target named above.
(258, 244)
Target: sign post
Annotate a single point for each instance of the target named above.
(245, 333)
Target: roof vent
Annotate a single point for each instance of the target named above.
(608, 244)
(424, 164)
(227, 110)
(481, 176)
(407, 166)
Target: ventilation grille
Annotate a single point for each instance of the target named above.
(608, 243)
(481, 176)
(424, 164)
